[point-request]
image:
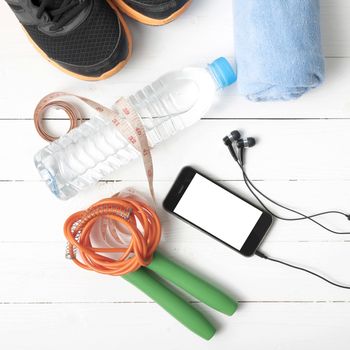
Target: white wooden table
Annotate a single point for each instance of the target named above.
(302, 158)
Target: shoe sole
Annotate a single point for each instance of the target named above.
(105, 75)
(129, 11)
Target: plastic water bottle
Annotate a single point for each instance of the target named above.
(95, 149)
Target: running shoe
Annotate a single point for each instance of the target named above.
(153, 12)
(87, 39)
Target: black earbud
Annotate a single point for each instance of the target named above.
(246, 143)
(241, 144)
(233, 137)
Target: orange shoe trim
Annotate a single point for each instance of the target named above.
(129, 11)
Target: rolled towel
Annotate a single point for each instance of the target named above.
(278, 48)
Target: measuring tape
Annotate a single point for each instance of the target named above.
(124, 118)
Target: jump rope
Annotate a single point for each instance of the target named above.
(236, 146)
(119, 236)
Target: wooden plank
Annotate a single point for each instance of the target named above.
(39, 272)
(202, 19)
(42, 215)
(156, 51)
(286, 150)
(328, 101)
(267, 326)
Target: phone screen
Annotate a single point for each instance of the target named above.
(217, 211)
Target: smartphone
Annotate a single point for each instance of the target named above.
(217, 211)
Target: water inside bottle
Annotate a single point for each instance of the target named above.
(95, 149)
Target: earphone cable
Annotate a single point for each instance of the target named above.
(264, 256)
(251, 186)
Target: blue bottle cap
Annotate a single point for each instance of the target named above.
(223, 72)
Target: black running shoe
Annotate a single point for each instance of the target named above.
(153, 12)
(85, 38)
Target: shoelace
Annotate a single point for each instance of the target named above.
(61, 14)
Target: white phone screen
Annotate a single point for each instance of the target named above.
(217, 211)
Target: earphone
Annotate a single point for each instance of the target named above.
(237, 145)
(234, 138)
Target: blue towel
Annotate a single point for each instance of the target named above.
(278, 48)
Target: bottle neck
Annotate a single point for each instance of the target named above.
(215, 79)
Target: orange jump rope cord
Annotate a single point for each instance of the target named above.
(78, 228)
